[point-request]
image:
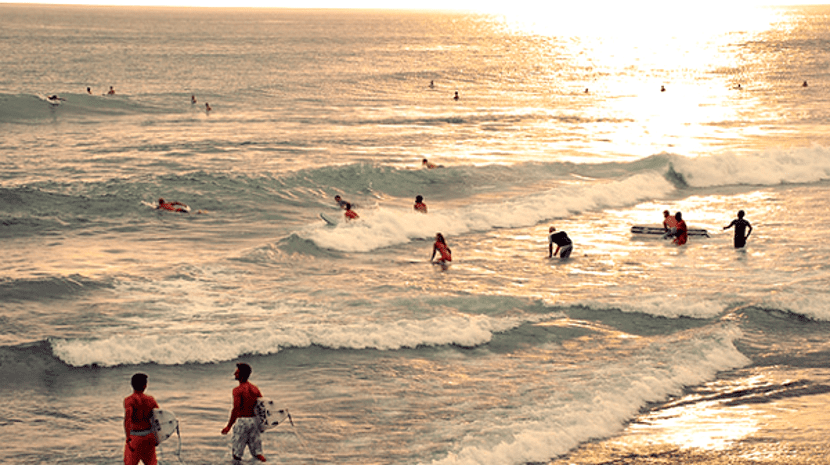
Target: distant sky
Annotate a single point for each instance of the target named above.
(503, 6)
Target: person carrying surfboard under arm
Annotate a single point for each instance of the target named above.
(243, 418)
(138, 410)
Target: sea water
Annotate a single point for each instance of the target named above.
(633, 347)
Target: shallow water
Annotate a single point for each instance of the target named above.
(505, 357)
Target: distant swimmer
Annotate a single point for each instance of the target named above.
(420, 206)
(669, 224)
(442, 249)
(662, 88)
(192, 99)
(350, 214)
(564, 246)
(111, 91)
(682, 232)
(432, 84)
(172, 206)
(207, 107)
(586, 90)
(340, 202)
(55, 98)
(738, 87)
(89, 91)
(805, 84)
(456, 96)
(429, 165)
(740, 225)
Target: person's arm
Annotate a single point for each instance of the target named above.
(237, 407)
(750, 229)
(557, 250)
(434, 249)
(128, 414)
(730, 225)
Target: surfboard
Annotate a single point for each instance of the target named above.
(269, 415)
(658, 230)
(328, 219)
(163, 424)
(51, 101)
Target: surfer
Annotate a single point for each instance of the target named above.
(564, 246)
(207, 107)
(662, 88)
(172, 206)
(138, 411)
(55, 98)
(192, 99)
(805, 84)
(669, 224)
(340, 202)
(681, 234)
(428, 165)
(89, 91)
(431, 84)
(456, 96)
(243, 419)
(740, 225)
(420, 206)
(441, 247)
(111, 91)
(350, 214)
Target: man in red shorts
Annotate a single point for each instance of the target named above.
(138, 410)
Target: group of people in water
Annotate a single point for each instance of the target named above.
(138, 420)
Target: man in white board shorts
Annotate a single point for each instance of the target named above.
(564, 246)
(243, 419)
(138, 410)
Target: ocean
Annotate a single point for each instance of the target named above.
(633, 350)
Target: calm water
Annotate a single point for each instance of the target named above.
(505, 357)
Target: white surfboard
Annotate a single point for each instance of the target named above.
(657, 230)
(269, 415)
(330, 220)
(163, 424)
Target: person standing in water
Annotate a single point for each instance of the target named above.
(243, 419)
(350, 214)
(442, 249)
(564, 246)
(138, 412)
(681, 234)
(741, 226)
(420, 206)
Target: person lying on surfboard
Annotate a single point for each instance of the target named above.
(172, 206)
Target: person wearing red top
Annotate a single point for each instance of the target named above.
(350, 214)
(681, 234)
(171, 206)
(138, 410)
(441, 247)
(243, 419)
(420, 206)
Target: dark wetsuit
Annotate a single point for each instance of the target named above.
(740, 225)
(563, 242)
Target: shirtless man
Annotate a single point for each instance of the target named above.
(171, 206)
(243, 419)
(420, 206)
(138, 410)
(740, 225)
(669, 224)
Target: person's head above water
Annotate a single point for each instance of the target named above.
(678, 216)
(419, 198)
(741, 213)
(665, 213)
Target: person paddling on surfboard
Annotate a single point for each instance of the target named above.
(172, 206)
(243, 418)
(138, 410)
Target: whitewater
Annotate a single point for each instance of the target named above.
(633, 349)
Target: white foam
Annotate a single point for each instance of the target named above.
(180, 347)
(768, 168)
(665, 306)
(599, 406)
(812, 304)
(385, 227)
